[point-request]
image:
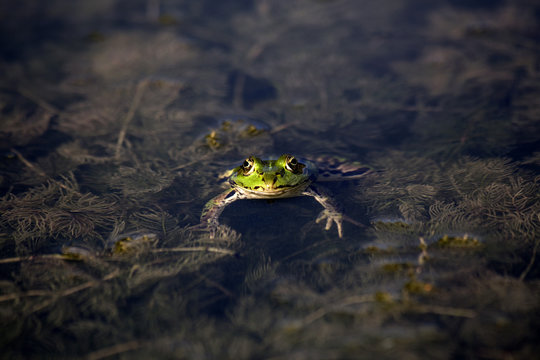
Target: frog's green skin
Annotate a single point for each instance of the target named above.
(273, 179)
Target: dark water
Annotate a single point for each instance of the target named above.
(118, 118)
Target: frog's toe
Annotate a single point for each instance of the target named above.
(206, 227)
(339, 229)
(331, 216)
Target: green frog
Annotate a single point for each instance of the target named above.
(275, 179)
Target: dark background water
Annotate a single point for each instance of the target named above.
(118, 117)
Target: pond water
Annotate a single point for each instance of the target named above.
(119, 119)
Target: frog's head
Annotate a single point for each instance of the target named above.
(284, 177)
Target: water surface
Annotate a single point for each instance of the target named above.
(118, 118)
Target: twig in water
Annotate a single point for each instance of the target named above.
(37, 170)
(114, 350)
(529, 267)
(25, 258)
(42, 103)
(195, 249)
(129, 116)
(73, 290)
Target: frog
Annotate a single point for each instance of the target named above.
(285, 177)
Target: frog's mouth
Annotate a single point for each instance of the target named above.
(271, 192)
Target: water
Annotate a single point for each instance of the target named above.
(118, 118)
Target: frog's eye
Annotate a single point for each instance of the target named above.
(248, 166)
(292, 164)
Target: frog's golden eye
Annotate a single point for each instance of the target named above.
(248, 166)
(293, 165)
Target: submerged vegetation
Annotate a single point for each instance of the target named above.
(112, 143)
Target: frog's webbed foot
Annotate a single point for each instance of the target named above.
(331, 216)
(212, 230)
(331, 212)
(213, 209)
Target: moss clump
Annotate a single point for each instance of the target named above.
(398, 226)
(132, 242)
(458, 242)
(418, 287)
(398, 267)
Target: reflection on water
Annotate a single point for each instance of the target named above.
(119, 119)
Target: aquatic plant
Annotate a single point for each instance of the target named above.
(22, 120)
(470, 195)
(56, 210)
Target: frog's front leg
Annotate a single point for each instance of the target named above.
(331, 210)
(214, 207)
